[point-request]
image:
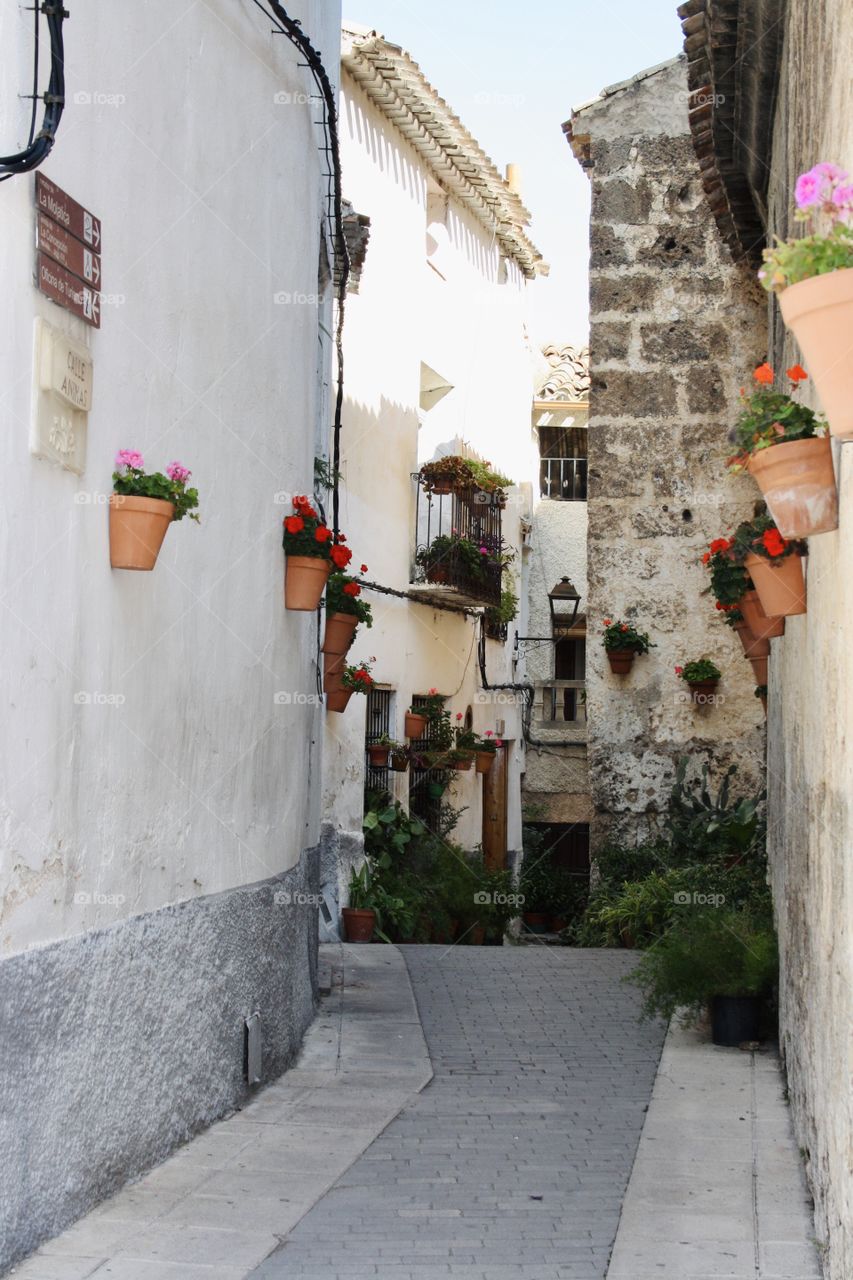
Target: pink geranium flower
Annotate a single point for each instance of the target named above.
(129, 458)
(808, 191)
(177, 472)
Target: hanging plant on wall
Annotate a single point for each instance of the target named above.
(345, 610)
(785, 446)
(813, 276)
(622, 643)
(142, 506)
(702, 677)
(774, 564)
(341, 685)
(311, 552)
(736, 598)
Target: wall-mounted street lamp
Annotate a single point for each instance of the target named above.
(563, 602)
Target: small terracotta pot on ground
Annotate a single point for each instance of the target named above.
(378, 755)
(819, 312)
(702, 691)
(621, 660)
(358, 924)
(759, 668)
(340, 629)
(305, 580)
(798, 483)
(780, 584)
(484, 761)
(137, 529)
(338, 699)
(761, 626)
(415, 725)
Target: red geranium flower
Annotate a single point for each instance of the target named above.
(774, 543)
(352, 589)
(678, 670)
(764, 374)
(706, 557)
(607, 622)
(363, 569)
(341, 557)
(322, 534)
(294, 524)
(797, 373)
(719, 544)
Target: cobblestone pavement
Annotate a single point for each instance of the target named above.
(514, 1161)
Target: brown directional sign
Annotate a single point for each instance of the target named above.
(70, 253)
(70, 292)
(58, 205)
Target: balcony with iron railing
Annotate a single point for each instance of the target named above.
(458, 545)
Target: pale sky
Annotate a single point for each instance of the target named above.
(513, 73)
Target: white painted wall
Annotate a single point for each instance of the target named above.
(470, 328)
(210, 195)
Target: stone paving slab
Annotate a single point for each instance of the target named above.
(223, 1203)
(512, 1163)
(718, 1188)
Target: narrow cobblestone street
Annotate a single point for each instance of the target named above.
(514, 1161)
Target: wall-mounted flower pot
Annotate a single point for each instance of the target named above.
(484, 761)
(463, 761)
(378, 755)
(798, 483)
(761, 626)
(759, 668)
(621, 660)
(415, 726)
(137, 529)
(439, 574)
(358, 925)
(702, 691)
(734, 1019)
(744, 634)
(442, 486)
(305, 581)
(340, 629)
(399, 761)
(819, 312)
(338, 699)
(780, 584)
(753, 646)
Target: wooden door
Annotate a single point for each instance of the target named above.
(494, 812)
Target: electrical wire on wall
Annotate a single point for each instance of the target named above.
(39, 145)
(292, 29)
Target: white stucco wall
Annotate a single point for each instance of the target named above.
(466, 327)
(198, 780)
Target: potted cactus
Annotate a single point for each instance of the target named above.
(142, 506)
(813, 276)
(785, 446)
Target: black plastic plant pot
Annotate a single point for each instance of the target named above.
(734, 1019)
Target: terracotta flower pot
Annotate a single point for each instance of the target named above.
(305, 581)
(819, 312)
(621, 660)
(378, 756)
(702, 691)
(484, 761)
(762, 627)
(338, 699)
(438, 574)
(759, 668)
(415, 725)
(753, 646)
(442, 486)
(798, 482)
(339, 633)
(399, 761)
(463, 761)
(535, 921)
(358, 924)
(780, 584)
(137, 529)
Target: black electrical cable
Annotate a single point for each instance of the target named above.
(40, 145)
(292, 28)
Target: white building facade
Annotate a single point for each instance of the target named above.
(161, 738)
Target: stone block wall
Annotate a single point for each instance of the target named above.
(676, 328)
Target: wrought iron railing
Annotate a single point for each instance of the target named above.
(426, 786)
(563, 479)
(459, 542)
(377, 724)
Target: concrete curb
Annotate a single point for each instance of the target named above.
(230, 1197)
(717, 1187)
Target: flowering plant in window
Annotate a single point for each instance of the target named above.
(357, 678)
(824, 199)
(343, 595)
(623, 635)
(131, 479)
(769, 417)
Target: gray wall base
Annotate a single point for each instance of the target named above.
(118, 1045)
